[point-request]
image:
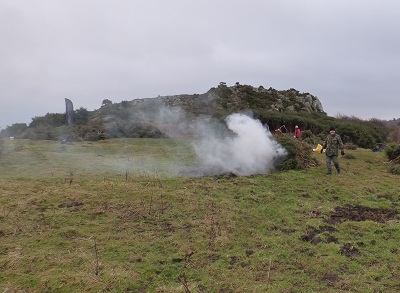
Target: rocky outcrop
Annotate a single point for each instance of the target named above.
(223, 100)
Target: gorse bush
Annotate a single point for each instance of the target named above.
(299, 154)
(1, 147)
(307, 134)
(393, 132)
(392, 152)
(350, 146)
(17, 130)
(315, 127)
(349, 156)
(50, 120)
(394, 169)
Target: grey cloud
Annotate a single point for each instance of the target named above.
(342, 51)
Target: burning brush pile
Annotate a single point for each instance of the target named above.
(299, 154)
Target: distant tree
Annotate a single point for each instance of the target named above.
(81, 116)
(393, 133)
(16, 130)
(50, 119)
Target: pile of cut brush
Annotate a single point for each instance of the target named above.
(392, 153)
(299, 154)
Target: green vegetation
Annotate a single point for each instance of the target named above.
(299, 154)
(392, 152)
(112, 216)
(144, 118)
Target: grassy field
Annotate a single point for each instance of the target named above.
(114, 216)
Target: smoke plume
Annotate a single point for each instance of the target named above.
(240, 145)
(248, 148)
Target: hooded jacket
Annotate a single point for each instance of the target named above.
(332, 145)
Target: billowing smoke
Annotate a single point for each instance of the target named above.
(241, 145)
(247, 149)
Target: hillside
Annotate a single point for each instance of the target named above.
(182, 115)
(224, 100)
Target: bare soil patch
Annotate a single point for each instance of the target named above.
(360, 213)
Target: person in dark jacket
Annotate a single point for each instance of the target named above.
(332, 145)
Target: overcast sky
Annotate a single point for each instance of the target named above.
(345, 52)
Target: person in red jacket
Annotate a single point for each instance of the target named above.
(297, 132)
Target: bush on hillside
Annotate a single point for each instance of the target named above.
(40, 132)
(133, 130)
(306, 134)
(49, 120)
(81, 116)
(1, 147)
(393, 133)
(300, 155)
(365, 134)
(392, 152)
(394, 169)
(350, 146)
(308, 137)
(16, 130)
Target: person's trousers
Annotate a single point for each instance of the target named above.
(335, 160)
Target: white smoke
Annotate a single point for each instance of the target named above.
(241, 145)
(249, 150)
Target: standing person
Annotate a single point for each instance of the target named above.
(297, 132)
(332, 145)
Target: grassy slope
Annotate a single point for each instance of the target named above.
(112, 218)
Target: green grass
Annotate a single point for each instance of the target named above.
(113, 216)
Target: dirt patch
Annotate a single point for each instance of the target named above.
(315, 235)
(349, 250)
(283, 230)
(331, 278)
(70, 204)
(167, 226)
(360, 213)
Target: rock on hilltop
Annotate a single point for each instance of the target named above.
(222, 100)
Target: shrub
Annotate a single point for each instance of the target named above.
(1, 147)
(307, 134)
(299, 155)
(349, 156)
(350, 146)
(17, 130)
(392, 152)
(394, 169)
(366, 141)
(49, 120)
(393, 133)
(81, 116)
